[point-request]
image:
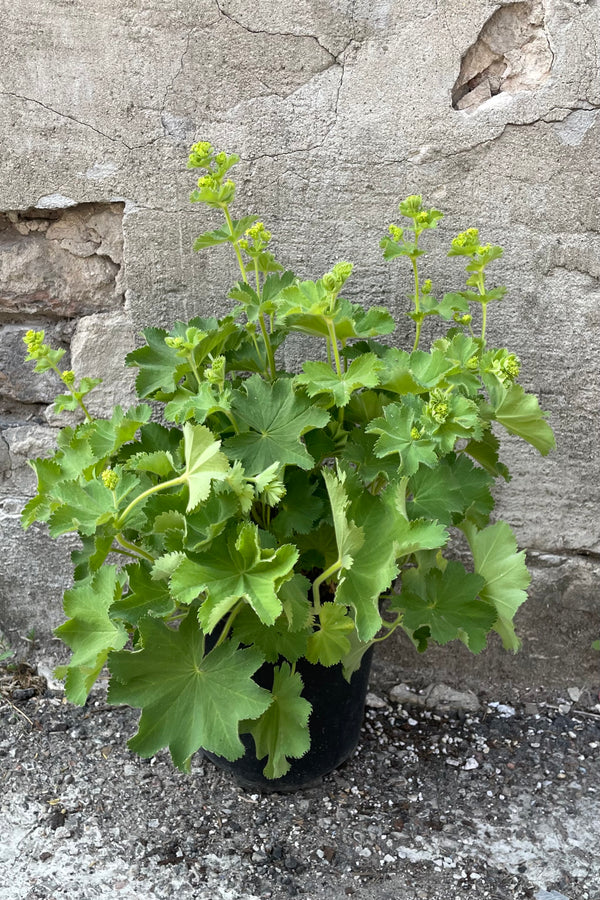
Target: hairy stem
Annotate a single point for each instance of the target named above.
(135, 550)
(173, 482)
(236, 609)
(337, 565)
(334, 345)
(268, 348)
(417, 297)
(235, 245)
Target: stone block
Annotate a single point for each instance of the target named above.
(23, 442)
(61, 263)
(34, 574)
(98, 349)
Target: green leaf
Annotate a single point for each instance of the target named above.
(198, 701)
(281, 733)
(349, 537)
(296, 606)
(276, 419)
(520, 414)
(159, 462)
(505, 573)
(146, 597)
(396, 436)
(451, 303)
(39, 508)
(94, 550)
(235, 568)
(446, 602)
(209, 520)
(329, 643)
(454, 489)
(197, 404)
(90, 632)
(160, 366)
(274, 640)
(83, 507)
(373, 566)
(485, 452)
(319, 378)
(359, 450)
(223, 234)
(352, 661)
(429, 369)
(299, 509)
(204, 463)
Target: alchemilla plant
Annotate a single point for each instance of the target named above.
(274, 516)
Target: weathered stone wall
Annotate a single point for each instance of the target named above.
(337, 108)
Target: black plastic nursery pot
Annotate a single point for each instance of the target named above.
(335, 723)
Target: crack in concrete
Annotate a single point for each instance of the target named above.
(247, 28)
(116, 140)
(547, 119)
(170, 86)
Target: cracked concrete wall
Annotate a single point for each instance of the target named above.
(338, 108)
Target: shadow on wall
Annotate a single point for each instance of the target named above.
(512, 53)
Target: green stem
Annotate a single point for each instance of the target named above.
(391, 626)
(173, 482)
(337, 565)
(235, 246)
(231, 419)
(483, 320)
(417, 334)
(127, 545)
(268, 348)
(236, 609)
(333, 339)
(194, 367)
(257, 277)
(413, 260)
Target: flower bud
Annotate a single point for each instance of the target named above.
(110, 479)
(415, 434)
(329, 281)
(68, 377)
(511, 366)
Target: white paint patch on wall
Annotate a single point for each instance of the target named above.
(574, 128)
(101, 170)
(55, 201)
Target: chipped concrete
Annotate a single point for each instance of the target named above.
(337, 109)
(512, 53)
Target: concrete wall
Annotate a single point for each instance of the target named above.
(338, 108)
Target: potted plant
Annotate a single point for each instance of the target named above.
(272, 527)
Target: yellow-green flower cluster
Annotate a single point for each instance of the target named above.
(259, 236)
(466, 240)
(215, 374)
(34, 341)
(201, 155)
(110, 479)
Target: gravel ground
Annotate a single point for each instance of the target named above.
(435, 805)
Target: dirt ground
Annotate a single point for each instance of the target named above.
(436, 804)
